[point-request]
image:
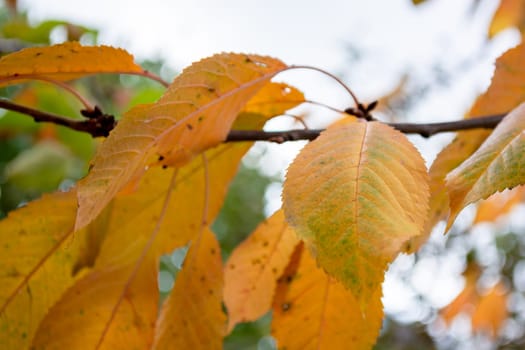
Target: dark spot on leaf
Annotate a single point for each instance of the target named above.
(232, 266)
(16, 74)
(265, 244)
(256, 261)
(161, 158)
(38, 54)
(247, 60)
(212, 251)
(200, 119)
(203, 278)
(189, 126)
(164, 166)
(286, 306)
(60, 56)
(210, 291)
(211, 89)
(274, 270)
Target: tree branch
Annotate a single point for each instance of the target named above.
(97, 124)
(100, 124)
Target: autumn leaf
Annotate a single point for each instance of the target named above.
(356, 194)
(130, 220)
(491, 311)
(194, 114)
(314, 311)
(192, 316)
(499, 204)
(504, 94)
(253, 268)
(495, 166)
(487, 310)
(64, 62)
(510, 13)
(80, 319)
(466, 299)
(35, 271)
(449, 158)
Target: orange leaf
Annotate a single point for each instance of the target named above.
(253, 269)
(467, 299)
(496, 165)
(499, 204)
(504, 94)
(192, 316)
(491, 311)
(356, 194)
(80, 319)
(64, 62)
(195, 113)
(510, 13)
(314, 311)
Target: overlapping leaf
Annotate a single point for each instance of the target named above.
(110, 287)
(192, 316)
(314, 311)
(504, 94)
(31, 280)
(253, 269)
(356, 194)
(195, 114)
(510, 13)
(498, 164)
(499, 204)
(82, 318)
(64, 62)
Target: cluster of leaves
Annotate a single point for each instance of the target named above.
(79, 268)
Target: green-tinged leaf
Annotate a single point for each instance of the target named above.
(192, 315)
(196, 113)
(314, 311)
(505, 93)
(64, 62)
(498, 164)
(356, 194)
(449, 158)
(253, 268)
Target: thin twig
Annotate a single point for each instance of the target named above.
(101, 126)
(96, 126)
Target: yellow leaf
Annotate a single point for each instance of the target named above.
(192, 316)
(131, 220)
(81, 319)
(274, 99)
(253, 268)
(314, 311)
(499, 204)
(195, 113)
(504, 94)
(510, 13)
(491, 311)
(356, 194)
(496, 165)
(64, 62)
(449, 158)
(31, 279)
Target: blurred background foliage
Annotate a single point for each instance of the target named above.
(488, 251)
